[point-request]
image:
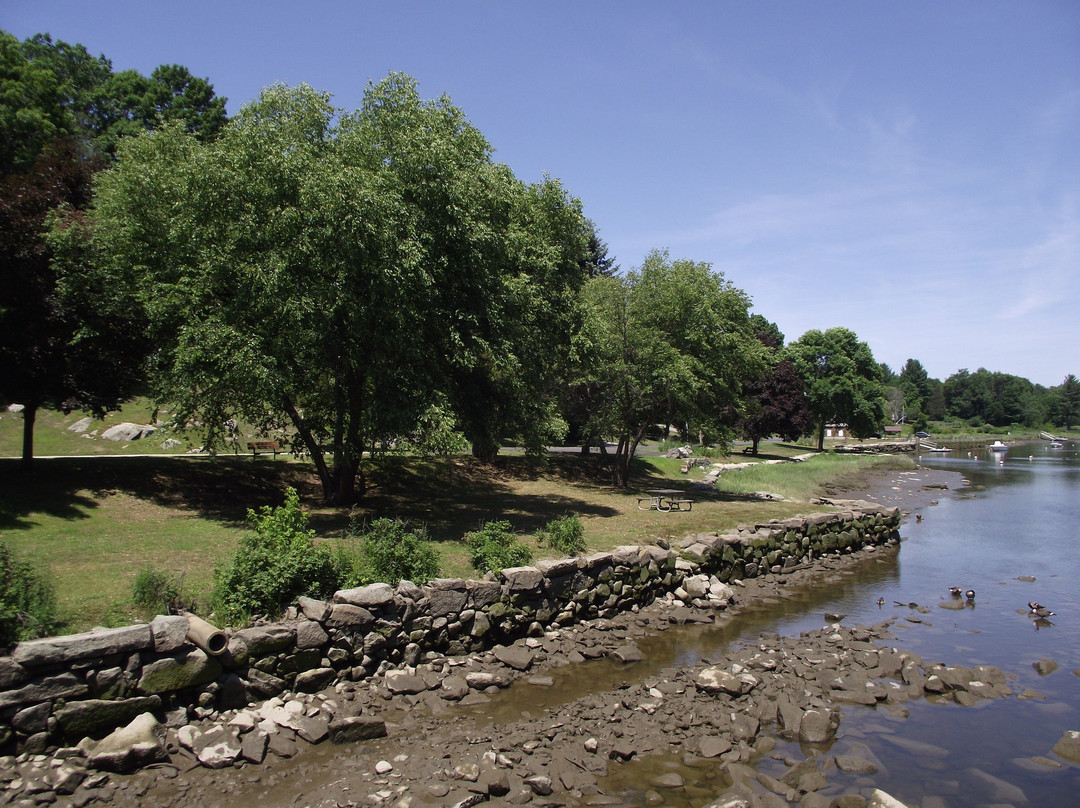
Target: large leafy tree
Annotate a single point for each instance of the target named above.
(337, 273)
(1068, 401)
(915, 383)
(100, 107)
(842, 379)
(63, 341)
(670, 340)
(67, 339)
(774, 403)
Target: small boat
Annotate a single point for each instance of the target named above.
(997, 446)
(1057, 445)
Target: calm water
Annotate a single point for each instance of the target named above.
(1019, 517)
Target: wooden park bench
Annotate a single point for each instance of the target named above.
(260, 446)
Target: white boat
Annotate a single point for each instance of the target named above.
(997, 446)
(1057, 445)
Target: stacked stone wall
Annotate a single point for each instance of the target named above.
(57, 691)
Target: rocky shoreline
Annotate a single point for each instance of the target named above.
(433, 733)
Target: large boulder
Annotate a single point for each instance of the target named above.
(91, 716)
(373, 596)
(718, 680)
(1068, 746)
(98, 642)
(128, 431)
(356, 728)
(132, 747)
(179, 672)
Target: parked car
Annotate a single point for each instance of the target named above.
(922, 434)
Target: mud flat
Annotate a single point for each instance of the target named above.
(690, 735)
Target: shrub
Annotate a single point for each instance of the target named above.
(155, 591)
(388, 551)
(565, 535)
(27, 601)
(274, 565)
(495, 547)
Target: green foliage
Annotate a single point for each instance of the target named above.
(843, 382)
(274, 564)
(388, 551)
(670, 341)
(27, 601)
(495, 547)
(437, 434)
(157, 592)
(565, 534)
(264, 257)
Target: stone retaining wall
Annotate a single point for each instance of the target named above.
(889, 447)
(56, 691)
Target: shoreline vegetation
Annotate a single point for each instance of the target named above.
(94, 523)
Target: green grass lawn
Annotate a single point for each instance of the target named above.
(94, 522)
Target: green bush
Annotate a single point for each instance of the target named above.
(274, 565)
(157, 592)
(27, 601)
(495, 547)
(389, 552)
(565, 535)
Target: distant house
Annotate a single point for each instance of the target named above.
(893, 430)
(836, 430)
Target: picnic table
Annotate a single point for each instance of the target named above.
(664, 499)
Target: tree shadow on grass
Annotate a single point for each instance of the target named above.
(450, 496)
(216, 488)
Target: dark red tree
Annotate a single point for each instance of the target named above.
(776, 405)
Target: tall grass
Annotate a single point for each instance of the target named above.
(807, 479)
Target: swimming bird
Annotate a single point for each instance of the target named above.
(955, 591)
(881, 601)
(970, 594)
(1038, 610)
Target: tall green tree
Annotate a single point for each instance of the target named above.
(336, 273)
(67, 338)
(1068, 401)
(100, 107)
(671, 340)
(843, 381)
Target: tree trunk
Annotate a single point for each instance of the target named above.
(821, 437)
(754, 450)
(345, 491)
(29, 416)
(330, 482)
(485, 448)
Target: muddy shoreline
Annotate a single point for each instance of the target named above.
(691, 731)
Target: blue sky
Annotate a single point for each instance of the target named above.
(910, 171)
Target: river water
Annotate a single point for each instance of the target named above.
(1018, 519)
